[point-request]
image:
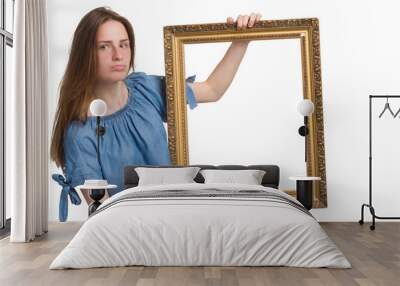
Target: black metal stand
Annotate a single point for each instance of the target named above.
(100, 130)
(97, 194)
(369, 205)
(303, 131)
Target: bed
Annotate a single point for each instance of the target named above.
(201, 224)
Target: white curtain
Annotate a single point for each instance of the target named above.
(26, 123)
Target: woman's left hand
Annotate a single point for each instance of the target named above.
(244, 21)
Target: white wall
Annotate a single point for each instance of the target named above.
(359, 50)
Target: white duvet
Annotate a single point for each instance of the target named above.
(200, 231)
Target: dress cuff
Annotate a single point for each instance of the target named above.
(190, 98)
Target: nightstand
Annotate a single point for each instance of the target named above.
(304, 190)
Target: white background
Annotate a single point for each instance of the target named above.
(243, 127)
(359, 56)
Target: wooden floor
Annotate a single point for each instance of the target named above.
(374, 255)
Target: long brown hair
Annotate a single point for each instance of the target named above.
(77, 84)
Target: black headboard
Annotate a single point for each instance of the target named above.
(270, 179)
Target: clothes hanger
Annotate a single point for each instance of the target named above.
(387, 107)
(398, 111)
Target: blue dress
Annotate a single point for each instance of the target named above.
(134, 135)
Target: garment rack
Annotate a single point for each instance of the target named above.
(369, 205)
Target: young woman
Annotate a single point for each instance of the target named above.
(101, 57)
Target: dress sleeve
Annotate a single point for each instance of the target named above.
(158, 83)
(81, 161)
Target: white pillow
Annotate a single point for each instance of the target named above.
(162, 176)
(249, 177)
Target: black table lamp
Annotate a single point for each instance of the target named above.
(305, 108)
(97, 108)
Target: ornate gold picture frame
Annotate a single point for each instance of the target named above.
(306, 30)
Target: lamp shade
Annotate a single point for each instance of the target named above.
(98, 107)
(305, 107)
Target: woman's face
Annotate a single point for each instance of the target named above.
(113, 52)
